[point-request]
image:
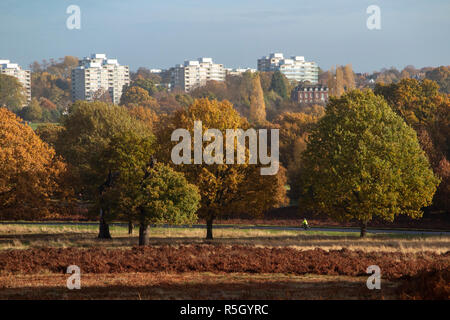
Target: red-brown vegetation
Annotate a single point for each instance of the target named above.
(221, 259)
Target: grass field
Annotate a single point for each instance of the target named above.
(16, 236)
(336, 271)
(35, 125)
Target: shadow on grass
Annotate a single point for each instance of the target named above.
(267, 290)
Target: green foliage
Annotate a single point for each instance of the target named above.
(88, 129)
(280, 85)
(146, 74)
(362, 160)
(49, 133)
(12, 94)
(168, 198)
(149, 85)
(428, 111)
(33, 112)
(143, 191)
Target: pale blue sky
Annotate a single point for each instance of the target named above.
(162, 33)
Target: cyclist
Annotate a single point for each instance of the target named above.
(305, 224)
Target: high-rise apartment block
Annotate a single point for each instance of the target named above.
(96, 75)
(24, 76)
(295, 68)
(196, 73)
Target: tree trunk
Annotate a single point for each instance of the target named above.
(363, 229)
(130, 227)
(103, 232)
(143, 234)
(209, 228)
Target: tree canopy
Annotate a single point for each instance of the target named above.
(427, 110)
(88, 129)
(12, 95)
(30, 172)
(225, 189)
(362, 160)
(144, 191)
(279, 84)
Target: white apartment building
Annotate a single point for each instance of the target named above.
(294, 68)
(239, 71)
(96, 74)
(195, 73)
(24, 76)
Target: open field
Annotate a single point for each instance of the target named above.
(14, 236)
(237, 264)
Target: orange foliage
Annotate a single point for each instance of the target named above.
(29, 170)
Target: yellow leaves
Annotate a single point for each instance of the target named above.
(29, 170)
(257, 104)
(225, 189)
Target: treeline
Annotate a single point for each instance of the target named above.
(381, 152)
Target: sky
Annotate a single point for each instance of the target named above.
(162, 33)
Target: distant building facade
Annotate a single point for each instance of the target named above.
(24, 76)
(294, 68)
(239, 71)
(195, 73)
(310, 93)
(96, 74)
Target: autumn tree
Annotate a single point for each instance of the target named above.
(143, 114)
(224, 188)
(138, 96)
(340, 79)
(442, 77)
(151, 86)
(62, 67)
(257, 104)
(30, 172)
(51, 80)
(49, 133)
(143, 73)
(427, 110)
(32, 112)
(169, 102)
(12, 95)
(279, 84)
(212, 90)
(294, 130)
(50, 112)
(349, 77)
(362, 160)
(293, 126)
(88, 130)
(265, 78)
(331, 81)
(340, 82)
(144, 191)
